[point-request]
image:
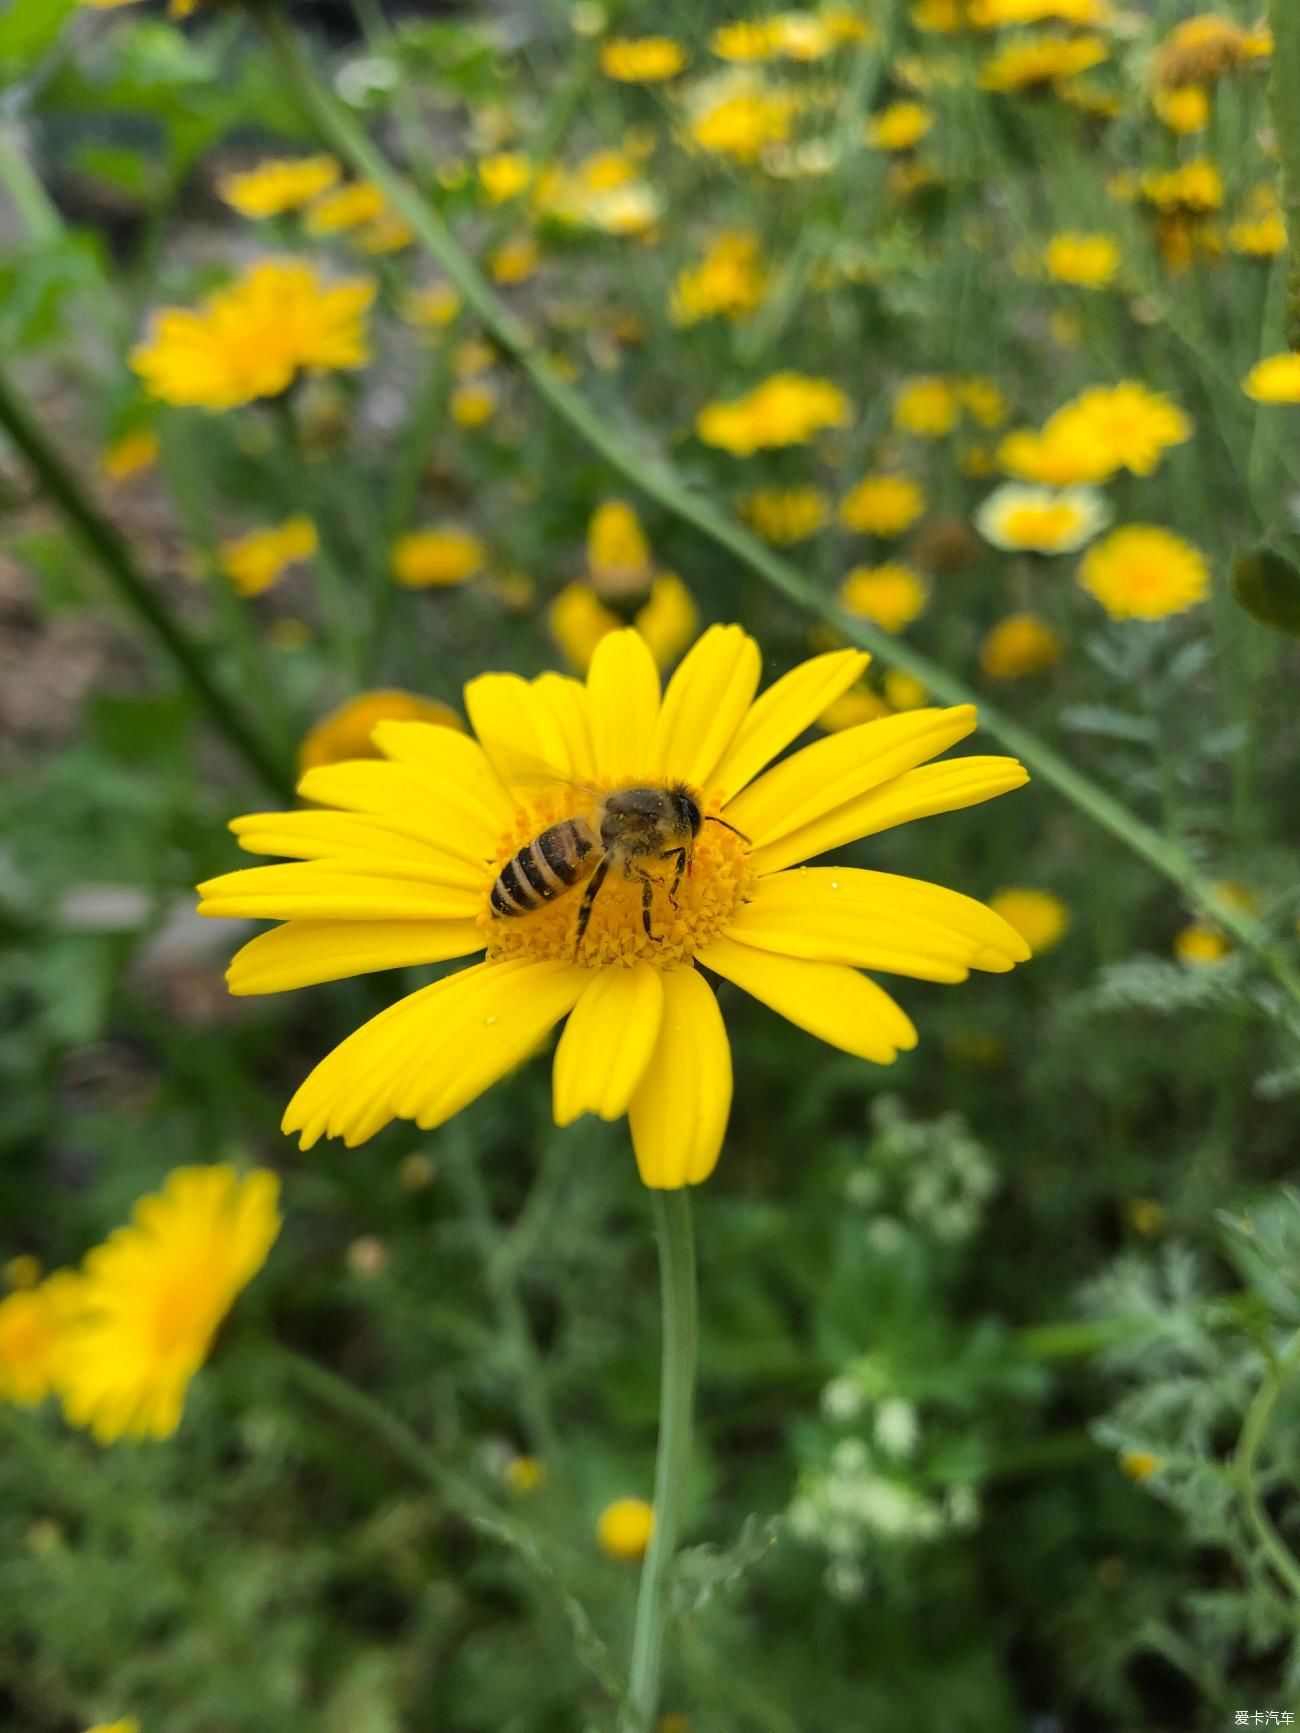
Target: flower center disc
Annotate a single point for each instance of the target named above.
(712, 889)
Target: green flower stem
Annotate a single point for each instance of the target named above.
(1284, 95)
(649, 471)
(676, 1399)
(1258, 1416)
(115, 560)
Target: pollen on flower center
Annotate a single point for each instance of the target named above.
(717, 882)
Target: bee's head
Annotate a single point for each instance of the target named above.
(686, 809)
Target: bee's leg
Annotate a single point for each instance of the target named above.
(647, 897)
(679, 855)
(594, 883)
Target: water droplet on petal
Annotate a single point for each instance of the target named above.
(489, 1021)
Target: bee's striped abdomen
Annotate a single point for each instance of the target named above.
(544, 869)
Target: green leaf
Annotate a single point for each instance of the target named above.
(27, 29)
(1267, 585)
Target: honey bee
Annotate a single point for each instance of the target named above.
(632, 828)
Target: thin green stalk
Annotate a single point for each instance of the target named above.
(1284, 95)
(676, 1400)
(39, 215)
(649, 471)
(115, 560)
(1258, 1416)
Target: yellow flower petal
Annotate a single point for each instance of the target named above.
(873, 920)
(325, 836)
(528, 727)
(317, 890)
(607, 1043)
(932, 788)
(304, 953)
(843, 767)
(623, 693)
(836, 1004)
(456, 812)
(566, 700)
(780, 715)
(678, 1115)
(706, 702)
(434, 1052)
(456, 765)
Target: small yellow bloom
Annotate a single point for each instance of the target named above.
(1068, 451)
(982, 400)
(618, 554)
(578, 620)
(901, 126)
(129, 454)
(729, 280)
(668, 619)
(939, 17)
(904, 691)
(624, 1528)
(1038, 63)
(786, 409)
(432, 307)
(926, 406)
(787, 515)
(348, 208)
(525, 1474)
(128, 1724)
(437, 557)
(891, 595)
(1020, 645)
(504, 176)
(32, 1331)
(742, 122)
(1041, 520)
(1144, 573)
(1276, 379)
(1140, 1464)
(473, 403)
(280, 185)
(255, 561)
(744, 41)
(253, 338)
(347, 733)
(1147, 1216)
(1201, 945)
(882, 505)
(1184, 110)
(515, 261)
(1122, 426)
(152, 1296)
(1199, 50)
(1040, 918)
(857, 706)
(389, 233)
(641, 59)
(1086, 261)
(1259, 237)
(1195, 189)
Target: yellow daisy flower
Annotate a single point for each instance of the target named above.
(1020, 645)
(786, 409)
(891, 595)
(786, 515)
(437, 557)
(1276, 379)
(346, 733)
(255, 337)
(728, 282)
(624, 1528)
(900, 126)
(1140, 572)
(279, 185)
(153, 1295)
(882, 505)
(740, 120)
(1040, 918)
(641, 59)
(1133, 425)
(1038, 63)
(927, 406)
(1041, 520)
(1086, 261)
(414, 862)
(255, 561)
(348, 208)
(1183, 110)
(618, 554)
(129, 454)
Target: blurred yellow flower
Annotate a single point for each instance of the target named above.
(253, 338)
(899, 127)
(940, 17)
(904, 691)
(1147, 1216)
(786, 409)
(129, 454)
(152, 1296)
(1036, 63)
(437, 557)
(128, 1724)
(1041, 520)
(348, 208)
(994, 14)
(744, 40)
(32, 1326)
(1140, 1464)
(892, 595)
(279, 185)
(1086, 261)
(21, 1271)
(882, 505)
(1020, 645)
(1133, 426)
(618, 554)
(473, 403)
(624, 1528)
(739, 122)
(1261, 236)
(641, 59)
(858, 705)
(926, 406)
(346, 733)
(729, 280)
(514, 261)
(255, 561)
(1276, 379)
(504, 176)
(1193, 189)
(667, 620)
(431, 307)
(982, 400)
(1069, 450)
(786, 515)
(1200, 944)
(1201, 49)
(1141, 572)
(525, 1474)
(1184, 110)
(1040, 918)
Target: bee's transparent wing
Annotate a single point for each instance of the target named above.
(530, 774)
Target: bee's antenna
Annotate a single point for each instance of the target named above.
(711, 819)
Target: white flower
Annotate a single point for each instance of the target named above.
(1042, 520)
